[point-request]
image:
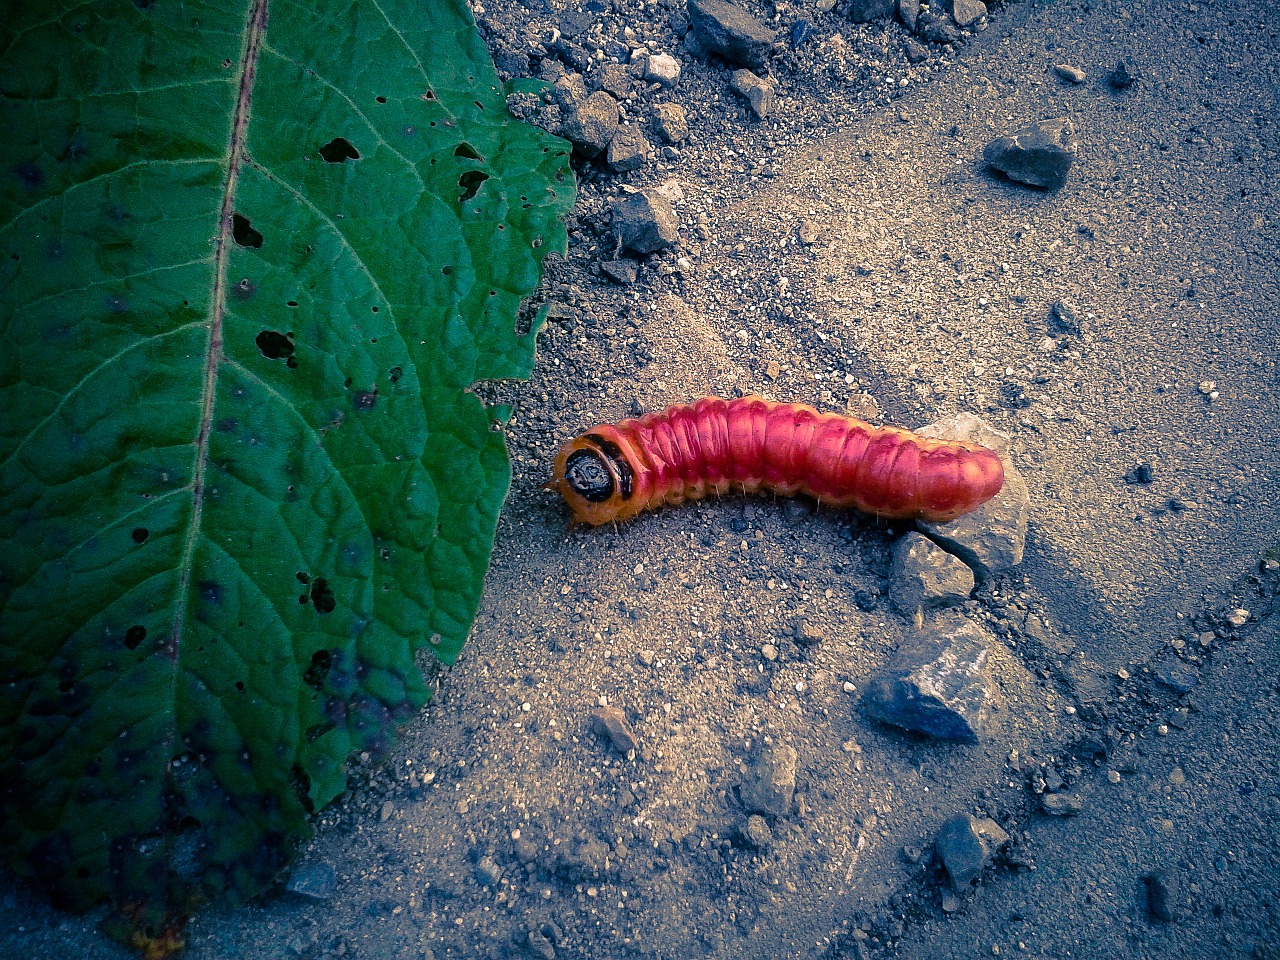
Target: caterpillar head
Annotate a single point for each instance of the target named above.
(594, 477)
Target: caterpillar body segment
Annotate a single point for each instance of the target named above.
(615, 471)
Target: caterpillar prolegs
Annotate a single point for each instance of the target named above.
(615, 471)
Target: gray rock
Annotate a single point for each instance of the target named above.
(1061, 804)
(1162, 892)
(756, 832)
(612, 723)
(1064, 316)
(662, 68)
(672, 122)
(615, 79)
(865, 11)
(967, 12)
(314, 881)
(628, 150)
(1178, 675)
(592, 125)
(539, 946)
(916, 51)
(645, 222)
(625, 272)
(909, 13)
(937, 686)
(1039, 155)
(994, 537)
(487, 872)
(923, 576)
(770, 784)
(569, 92)
(757, 92)
(731, 32)
(936, 27)
(1069, 73)
(965, 844)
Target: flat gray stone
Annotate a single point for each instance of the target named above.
(672, 122)
(938, 685)
(925, 577)
(1061, 804)
(628, 150)
(731, 32)
(314, 881)
(593, 124)
(909, 13)
(612, 723)
(770, 784)
(994, 537)
(965, 844)
(645, 222)
(1038, 155)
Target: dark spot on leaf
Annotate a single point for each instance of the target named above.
(339, 150)
(447, 270)
(210, 592)
(144, 4)
(365, 399)
(242, 231)
(381, 99)
(117, 304)
(470, 183)
(65, 686)
(292, 303)
(322, 596)
(394, 374)
(74, 149)
(301, 784)
(321, 662)
(303, 577)
(244, 290)
(228, 425)
(466, 150)
(134, 636)
(276, 346)
(29, 175)
(240, 686)
(140, 534)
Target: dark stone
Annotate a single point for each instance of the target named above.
(938, 687)
(1121, 78)
(1038, 155)
(925, 577)
(936, 27)
(755, 833)
(909, 13)
(315, 881)
(592, 125)
(628, 150)
(731, 32)
(770, 784)
(645, 222)
(487, 872)
(967, 12)
(624, 272)
(1162, 891)
(539, 946)
(1178, 675)
(965, 844)
(866, 11)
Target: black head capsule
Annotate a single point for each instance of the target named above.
(588, 474)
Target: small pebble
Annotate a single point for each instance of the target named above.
(1113, 776)
(1069, 73)
(1238, 617)
(769, 652)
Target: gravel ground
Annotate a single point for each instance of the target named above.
(851, 250)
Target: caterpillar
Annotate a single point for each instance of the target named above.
(615, 471)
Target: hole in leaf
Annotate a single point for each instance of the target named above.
(242, 231)
(274, 345)
(339, 150)
(447, 270)
(321, 662)
(140, 534)
(381, 99)
(470, 183)
(365, 399)
(429, 95)
(134, 636)
(240, 686)
(466, 150)
(291, 303)
(244, 290)
(322, 597)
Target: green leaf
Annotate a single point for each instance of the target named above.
(253, 257)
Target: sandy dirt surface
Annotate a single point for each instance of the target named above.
(504, 827)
